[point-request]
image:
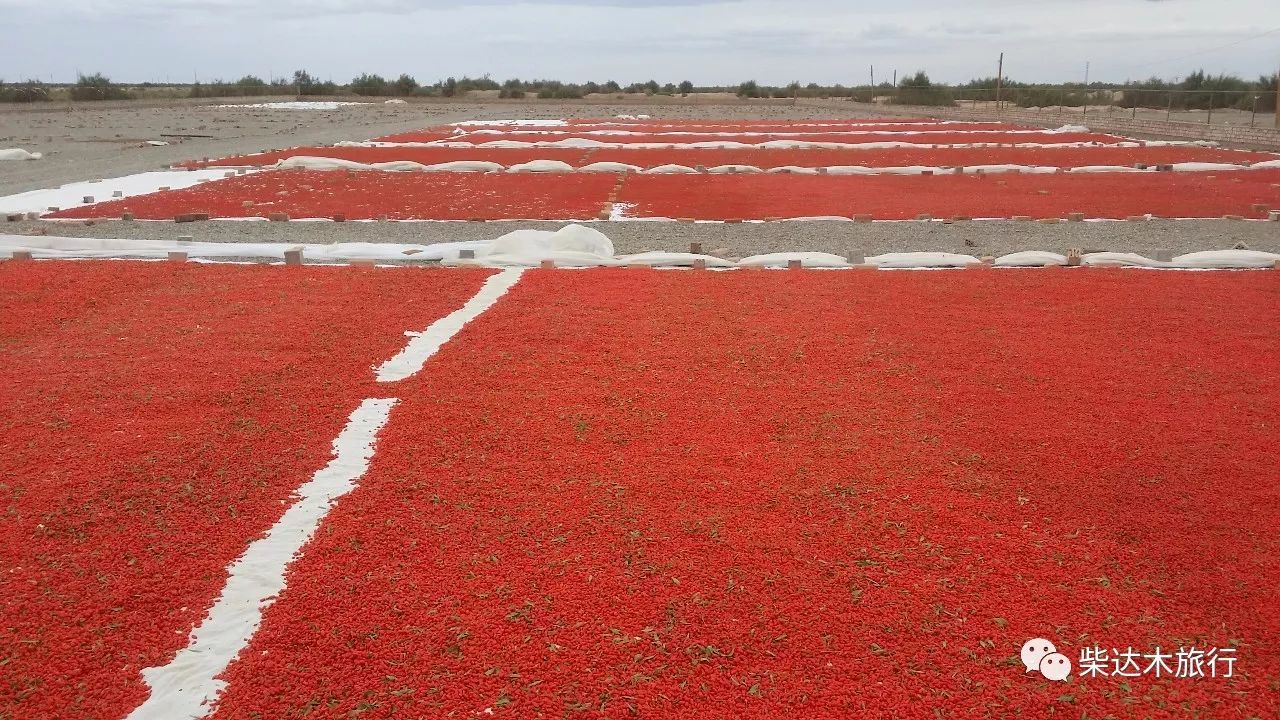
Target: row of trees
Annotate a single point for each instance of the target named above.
(87, 87)
(1198, 90)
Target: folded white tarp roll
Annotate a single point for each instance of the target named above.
(1109, 169)
(580, 246)
(807, 259)
(1030, 258)
(1203, 167)
(1121, 259)
(1226, 259)
(671, 170)
(815, 218)
(675, 259)
(998, 169)
(542, 244)
(610, 167)
(734, 169)
(19, 154)
(541, 166)
(308, 162)
(922, 260)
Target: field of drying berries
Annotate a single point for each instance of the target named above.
(722, 171)
(621, 492)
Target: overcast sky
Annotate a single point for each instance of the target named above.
(708, 42)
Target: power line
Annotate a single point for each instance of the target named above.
(1232, 44)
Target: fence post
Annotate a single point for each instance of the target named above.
(999, 80)
(1208, 120)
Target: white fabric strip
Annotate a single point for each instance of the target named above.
(426, 343)
(186, 688)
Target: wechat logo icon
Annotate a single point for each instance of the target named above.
(1040, 655)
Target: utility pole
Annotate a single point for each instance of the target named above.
(873, 76)
(1086, 89)
(999, 79)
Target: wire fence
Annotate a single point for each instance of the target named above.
(1254, 108)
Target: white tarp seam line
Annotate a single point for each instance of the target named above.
(321, 163)
(781, 134)
(663, 124)
(579, 143)
(426, 343)
(187, 687)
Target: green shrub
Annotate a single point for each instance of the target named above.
(252, 85)
(249, 85)
(29, 91)
(308, 85)
(404, 85)
(919, 90)
(370, 85)
(96, 87)
(467, 84)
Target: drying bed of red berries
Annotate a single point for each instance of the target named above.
(782, 494)
(154, 419)
(370, 195)
(582, 196)
(937, 157)
(891, 197)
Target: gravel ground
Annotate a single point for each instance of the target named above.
(108, 140)
(992, 237)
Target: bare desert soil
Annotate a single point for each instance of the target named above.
(86, 141)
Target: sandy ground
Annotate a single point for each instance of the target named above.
(87, 142)
(732, 241)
